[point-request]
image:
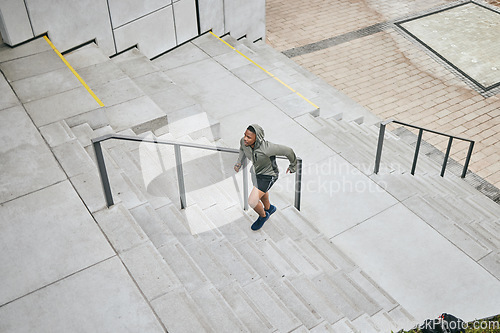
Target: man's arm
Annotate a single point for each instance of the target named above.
(281, 150)
(241, 157)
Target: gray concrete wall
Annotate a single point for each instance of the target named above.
(14, 22)
(155, 26)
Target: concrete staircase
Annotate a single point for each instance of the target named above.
(449, 205)
(202, 268)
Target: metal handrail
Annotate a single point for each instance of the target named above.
(180, 174)
(417, 147)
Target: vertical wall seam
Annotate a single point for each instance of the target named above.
(175, 26)
(112, 29)
(197, 4)
(29, 18)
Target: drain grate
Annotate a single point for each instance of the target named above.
(326, 43)
(466, 37)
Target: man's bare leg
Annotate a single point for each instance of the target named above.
(254, 201)
(265, 201)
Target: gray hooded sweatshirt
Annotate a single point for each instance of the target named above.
(263, 154)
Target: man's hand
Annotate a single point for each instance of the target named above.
(237, 167)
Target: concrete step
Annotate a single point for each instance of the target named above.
(183, 117)
(274, 310)
(247, 311)
(457, 233)
(401, 318)
(296, 303)
(179, 312)
(134, 63)
(217, 311)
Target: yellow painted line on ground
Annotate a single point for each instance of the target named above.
(267, 72)
(74, 72)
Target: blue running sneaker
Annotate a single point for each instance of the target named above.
(260, 222)
(271, 209)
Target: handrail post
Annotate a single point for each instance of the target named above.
(180, 176)
(417, 149)
(245, 184)
(298, 183)
(467, 159)
(103, 173)
(379, 147)
(446, 156)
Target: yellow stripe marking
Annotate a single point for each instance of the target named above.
(74, 72)
(267, 72)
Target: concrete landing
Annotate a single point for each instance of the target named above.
(422, 270)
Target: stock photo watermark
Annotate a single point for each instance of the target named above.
(452, 326)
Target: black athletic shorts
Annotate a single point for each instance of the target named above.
(264, 182)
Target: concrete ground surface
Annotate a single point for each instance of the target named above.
(355, 46)
(362, 255)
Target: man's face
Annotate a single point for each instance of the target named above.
(249, 138)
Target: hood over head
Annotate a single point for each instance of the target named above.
(259, 134)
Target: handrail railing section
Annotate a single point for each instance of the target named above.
(180, 174)
(417, 147)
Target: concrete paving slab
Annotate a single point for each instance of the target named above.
(397, 244)
(9, 99)
(73, 158)
(154, 83)
(270, 88)
(89, 187)
(132, 113)
(46, 235)
(188, 76)
(86, 56)
(150, 271)
(27, 163)
(135, 64)
(101, 73)
(57, 133)
(118, 91)
(44, 85)
(31, 65)
(211, 45)
(183, 55)
(38, 45)
(350, 197)
(179, 313)
(83, 133)
(220, 93)
(94, 118)
(295, 106)
(102, 298)
(231, 60)
(173, 99)
(120, 228)
(61, 106)
(250, 73)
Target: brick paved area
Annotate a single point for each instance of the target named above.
(389, 74)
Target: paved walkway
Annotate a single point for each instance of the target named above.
(355, 47)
